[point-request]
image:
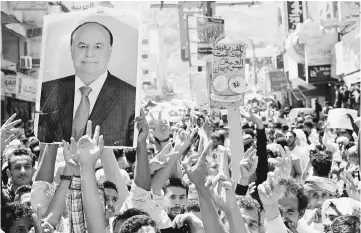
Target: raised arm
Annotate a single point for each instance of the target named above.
(58, 203)
(269, 193)
(89, 150)
(7, 132)
(197, 174)
(162, 175)
(46, 166)
(223, 195)
(112, 173)
(248, 166)
(142, 176)
(262, 167)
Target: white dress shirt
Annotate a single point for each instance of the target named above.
(96, 86)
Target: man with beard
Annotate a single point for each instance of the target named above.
(108, 193)
(295, 154)
(284, 201)
(175, 193)
(318, 190)
(20, 169)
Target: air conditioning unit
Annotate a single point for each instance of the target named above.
(26, 62)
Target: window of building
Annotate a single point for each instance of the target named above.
(145, 71)
(145, 56)
(144, 41)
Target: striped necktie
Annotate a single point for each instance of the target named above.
(81, 114)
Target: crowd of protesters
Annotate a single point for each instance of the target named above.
(299, 177)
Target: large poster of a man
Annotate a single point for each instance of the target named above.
(89, 71)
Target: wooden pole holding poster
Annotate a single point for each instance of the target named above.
(236, 139)
(228, 85)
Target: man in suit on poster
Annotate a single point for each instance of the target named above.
(93, 93)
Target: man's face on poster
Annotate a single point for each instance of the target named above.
(91, 50)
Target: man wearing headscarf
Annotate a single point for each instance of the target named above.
(333, 208)
(319, 189)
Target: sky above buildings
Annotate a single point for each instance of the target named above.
(258, 22)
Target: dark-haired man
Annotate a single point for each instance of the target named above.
(20, 169)
(16, 217)
(93, 93)
(23, 195)
(175, 197)
(108, 193)
(285, 202)
(140, 224)
(120, 219)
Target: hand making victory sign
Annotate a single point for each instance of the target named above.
(161, 127)
(7, 131)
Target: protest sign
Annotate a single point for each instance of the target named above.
(76, 47)
(228, 72)
(202, 33)
(338, 119)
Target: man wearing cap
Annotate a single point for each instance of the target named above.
(318, 190)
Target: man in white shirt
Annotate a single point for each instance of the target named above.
(284, 201)
(92, 93)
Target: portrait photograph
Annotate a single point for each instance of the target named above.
(88, 71)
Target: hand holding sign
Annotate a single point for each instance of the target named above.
(339, 118)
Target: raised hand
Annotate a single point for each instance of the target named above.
(191, 159)
(269, 191)
(185, 139)
(251, 188)
(248, 164)
(161, 127)
(162, 156)
(194, 223)
(352, 189)
(222, 187)
(90, 148)
(7, 131)
(252, 117)
(155, 165)
(39, 225)
(284, 163)
(143, 127)
(71, 157)
(222, 190)
(197, 174)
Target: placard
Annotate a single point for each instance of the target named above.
(186, 9)
(202, 33)
(338, 119)
(228, 71)
(278, 80)
(97, 48)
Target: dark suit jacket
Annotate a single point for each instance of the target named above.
(113, 111)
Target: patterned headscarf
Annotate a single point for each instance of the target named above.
(321, 184)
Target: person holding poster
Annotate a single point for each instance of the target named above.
(92, 93)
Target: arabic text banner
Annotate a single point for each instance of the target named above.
(228, 71)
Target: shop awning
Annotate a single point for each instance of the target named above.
(297, 93)
(6, 19)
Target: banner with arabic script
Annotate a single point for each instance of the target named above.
(228, 71)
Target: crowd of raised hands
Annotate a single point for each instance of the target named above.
(179, 179)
